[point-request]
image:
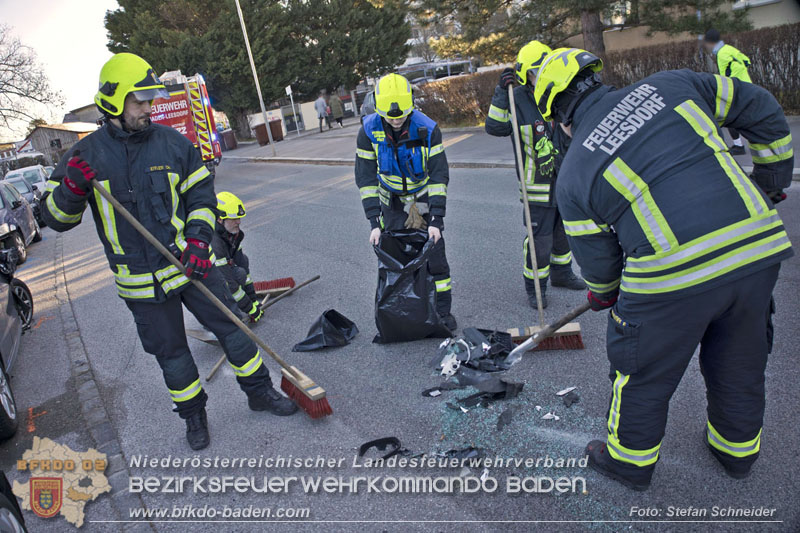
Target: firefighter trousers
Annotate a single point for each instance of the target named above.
(550, 241)
(650, 344)
(393, 217)
(161, 330)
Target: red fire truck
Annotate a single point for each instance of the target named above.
(187, 110)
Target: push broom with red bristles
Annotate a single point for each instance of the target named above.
(567, 336)
(280, 283)
(309, 396)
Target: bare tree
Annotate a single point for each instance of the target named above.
(23, 83)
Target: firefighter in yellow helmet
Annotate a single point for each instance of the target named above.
(230, 258)
(677, 242)
(159, 176)
(402, 175)
(543, 147)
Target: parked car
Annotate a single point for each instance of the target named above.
(32, 194)
(35, 175)
(10, 514)
(49, 170)
(16, 316)
(18, 226)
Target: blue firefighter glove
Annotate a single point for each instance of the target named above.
(545, 158)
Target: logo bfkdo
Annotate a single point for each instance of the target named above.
(46, 495)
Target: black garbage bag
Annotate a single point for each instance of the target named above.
(405, 301)
(330, 329)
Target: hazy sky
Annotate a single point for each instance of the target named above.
(70, 40)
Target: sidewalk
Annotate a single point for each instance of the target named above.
(465, 148)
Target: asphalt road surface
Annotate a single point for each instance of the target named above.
(304, 220)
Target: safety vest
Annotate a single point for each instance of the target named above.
(402, 168)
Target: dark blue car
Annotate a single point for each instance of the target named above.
(18, 226)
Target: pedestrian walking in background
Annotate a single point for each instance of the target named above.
(321, 106)
(337, 109)
(733, 64)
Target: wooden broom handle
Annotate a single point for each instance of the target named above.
(205, 290)
(525, 207)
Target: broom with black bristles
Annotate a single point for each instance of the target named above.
(566, 338)
(309, 396)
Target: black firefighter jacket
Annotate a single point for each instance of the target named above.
(654, 205)
(157, 175)
(234, 266)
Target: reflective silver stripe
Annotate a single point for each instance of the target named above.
(711, 133)
(498, 114)
(189, 392)
(745, 182)
(577, 228)
(437, 189)
(700, 246)
(738, 449)
(166, 273)
(174, 283)
(638, 195)
(561, 259)
(633, 458)
(435, 150)
(238, 295)
(723, 100)
(203, 214)
(619, 382)
(742, 183)
(366, 154)
(249, 367)
(709, 270)
(772, 151)
(127, 279)
(145, 292)
(194, 178)
(221, 262)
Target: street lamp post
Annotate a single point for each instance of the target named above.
(255, 78)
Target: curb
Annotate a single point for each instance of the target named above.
(93, 410)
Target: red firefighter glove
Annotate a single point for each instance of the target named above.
(79, 175)
(256, 312)
(195, 259)
(598, 304)
(507, 77)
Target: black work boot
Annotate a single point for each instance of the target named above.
(530, 288)
(197, 430)
(633, 477)
(735, 467)
(272, 401)
(449, 321)
(564, 277)
(736, 150)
